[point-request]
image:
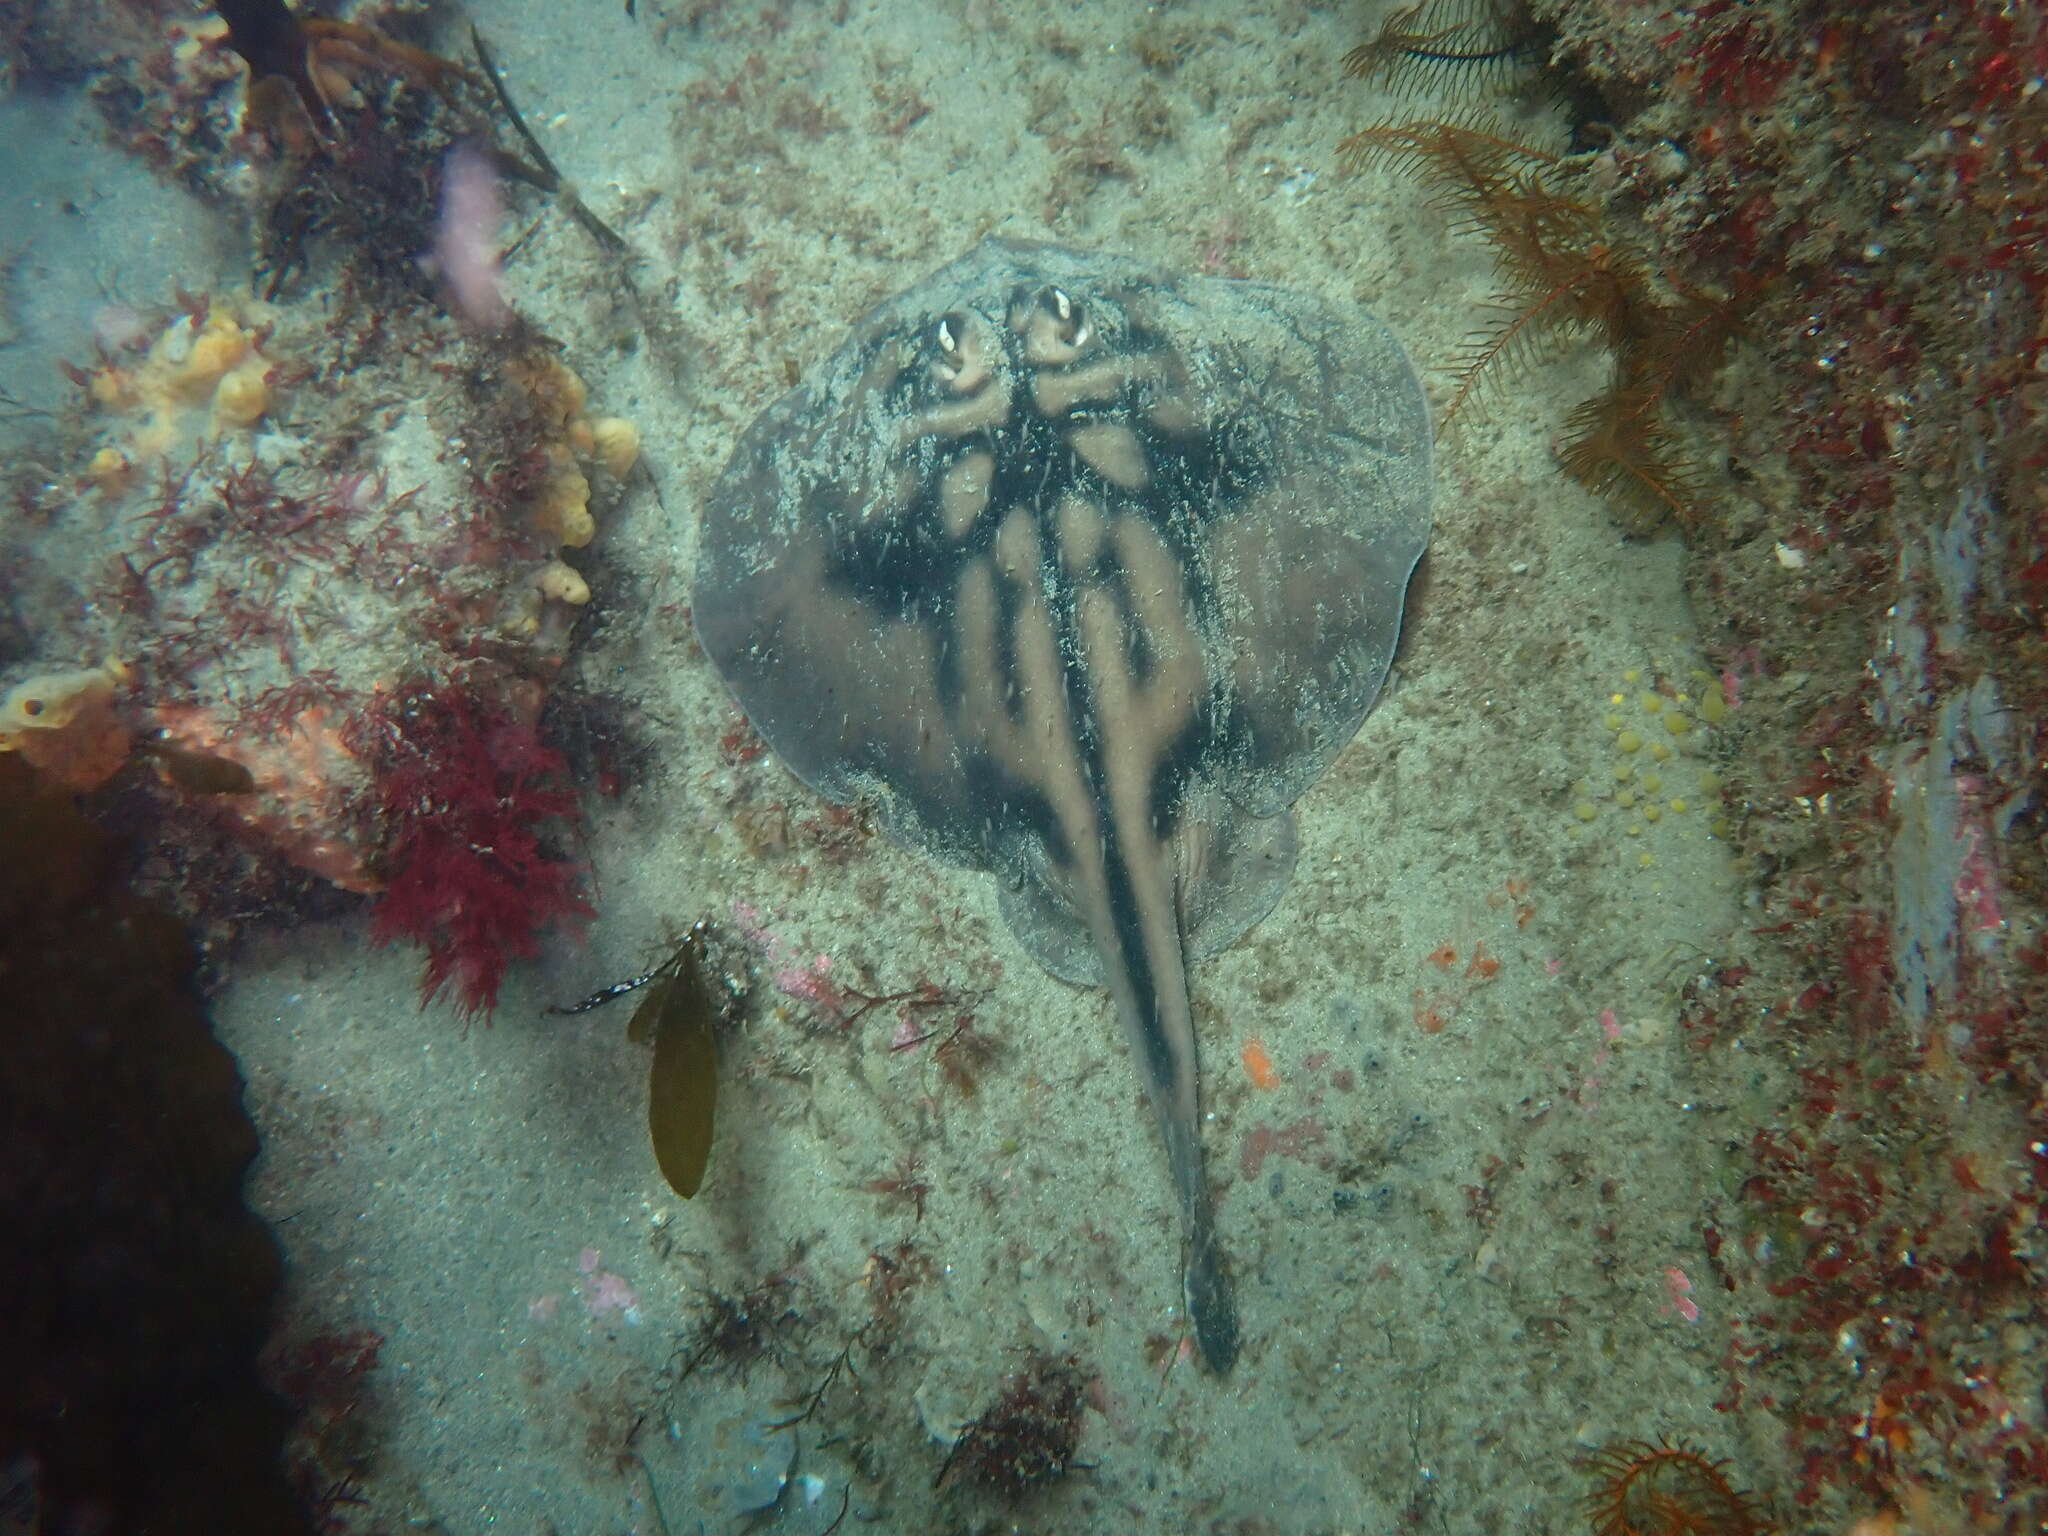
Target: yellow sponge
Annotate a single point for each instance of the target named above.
(563, 512)
(562, 583)
(241, 398)
(617, 443)
(64, 723)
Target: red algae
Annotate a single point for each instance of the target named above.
(467, 789)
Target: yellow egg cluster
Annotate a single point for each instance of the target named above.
(1654, 776)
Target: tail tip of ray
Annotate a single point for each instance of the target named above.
(1212, 1308)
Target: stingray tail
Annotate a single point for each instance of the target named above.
(1138, 928)
(1212, 1303)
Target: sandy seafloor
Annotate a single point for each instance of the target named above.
(1459, 1253)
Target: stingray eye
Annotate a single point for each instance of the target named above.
(1069, 320)
(956, 353)
(1054, 325)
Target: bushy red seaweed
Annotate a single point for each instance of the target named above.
(466, 787)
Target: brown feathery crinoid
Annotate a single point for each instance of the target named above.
(1617, 444)
(1665, 1488)
(1466, 158)
(1474, 45)
(1564, 277)
(1561, 275)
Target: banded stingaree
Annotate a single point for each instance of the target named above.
(1082, 573)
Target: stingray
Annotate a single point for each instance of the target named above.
(1080, 573)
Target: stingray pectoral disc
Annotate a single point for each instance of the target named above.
(1081, 573)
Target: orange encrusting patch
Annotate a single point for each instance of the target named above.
(1431, 1017)
(306, 779)
(1258, 1066)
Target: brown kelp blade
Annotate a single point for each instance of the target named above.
(682, 1086)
